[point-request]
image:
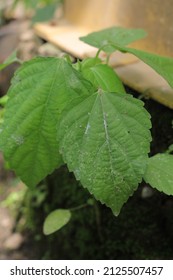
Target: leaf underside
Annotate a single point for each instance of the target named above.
(159, 173)
(104, 139)
(40, 90)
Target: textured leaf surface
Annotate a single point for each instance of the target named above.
(159, 173)
(56, 220)
(113, 35)
(40, 90)
(104, 139)
(104, 77)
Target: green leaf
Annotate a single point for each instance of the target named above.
(35, 3)
(159, 173)
(40, 90)
(104, 139)
(56, 220)
(11, 59)
(170, 149)
(113, 35)
(44, 14)
(104, 77)
(161, 64)
(3, 100)
(90, 62)
(118, 38)
(87, 63)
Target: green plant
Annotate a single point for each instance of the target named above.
(36, 3)
(43, 10)
(80, 115)
(11, 59)
(3, 100)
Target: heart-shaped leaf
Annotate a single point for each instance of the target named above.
(105, 139)
(40, 90)
(56, 220)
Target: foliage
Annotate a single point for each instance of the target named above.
(159, 173)
(36, 3)
(81, 115)
(109, 145)
(44, 13)
(43, 9)
(109, 38)
(162, 65)
(11, 59)
(56, 220)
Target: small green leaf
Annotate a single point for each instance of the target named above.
(105, 139)
(159, 173)
(86, 63)
(113, 35)
(104, 77)
(161, 64)
(116, 38)
(44, 14)
(11, 59)
(56, 220)
(90, 62)
(40, 90)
